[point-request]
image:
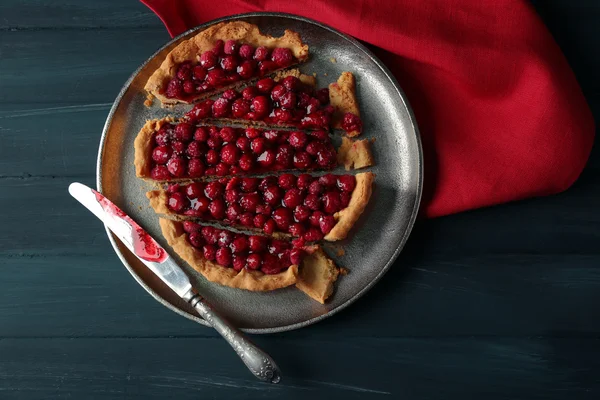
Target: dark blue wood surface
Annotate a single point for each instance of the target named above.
(500, 303)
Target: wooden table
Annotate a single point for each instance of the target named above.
(500, 303)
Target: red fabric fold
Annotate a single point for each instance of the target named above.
(500, 112)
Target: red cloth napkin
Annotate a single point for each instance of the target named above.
(501, 115)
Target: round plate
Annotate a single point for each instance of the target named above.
(372, 245)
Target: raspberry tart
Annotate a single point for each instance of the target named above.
(222, 56)
(170, 151)
(289, 99)
(309, 207)
(251, 262)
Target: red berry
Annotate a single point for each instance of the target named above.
(213, 190)
(346, 182)
(218, 47)
(224, 238)
(288, 100)
(302, 160)
(230, 94)
(230, 154)
(292, 83)
(320, 135)
(312, 201)
(283, 218)
(178, 148)
(331, 202)
(189, 87)
(252, 133)
(313, 235)
(217, 208)
(200, 204)
(351, 123)
(258, 145)
(323, 96)
(246, 219)
(315, 187)
(259, 220)
(215, 77)
(315, 218)
(326, 158)
(196, 239)
(267, 158)
(260, 105)
(282, 56)
(326, 224)
(303, 181)
(222, 169)
(292, 198)
(261, 53)
(257, 243)
(223, 256)
(160, 173)
(177, 167)
(269, 227)
(246, 51)
(194, 190)
(173, 188)
(199, 73)
(208, 59)
(249, 201)
(239, 244)
(296, 256)
(184, 72)
(221, 108)
(272, 195)
(229, 63)
(239, 262)
(201, 110)
(233, 212)
(287, 181)
(162, 136)
(212, 157)
(246, 69)
(345, 199)
(232, 195)
(301, 213)
(174, 89)
(161, 154)
(296, 229)
(328, 180)
(249, 92)
(209, 252)
(242, 143)
(270, 265)
(284, 155)
(196, 149)
(314, 148)
(249, 184)
(298, 139)
(239, 108)
(177, 202)
(264, 209)
(230, 47)
(190, 227)
(265, 85)
(266, 182)
(277, 92)
(253, 262)
(246, 162)
(272, 135)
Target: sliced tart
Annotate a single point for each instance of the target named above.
(309, 207)
(251, 262)
(219, 57)
(170, 151)
(290, 99)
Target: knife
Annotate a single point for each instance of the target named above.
(156, 258)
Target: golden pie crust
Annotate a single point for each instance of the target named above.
(342, 96)
(345, 218)
(355, 154)
(317, 276)
(190, 50)
(245, 279)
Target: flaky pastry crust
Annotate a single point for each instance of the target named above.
(143, 145)
(317, 276)
(245, 279)
(190, 50)
(347, 217)
(355, 154)
(342, 96)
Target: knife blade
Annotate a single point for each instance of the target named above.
(158, 260)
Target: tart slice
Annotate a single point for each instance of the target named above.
(309, 207)
(169, 151)
(219, 57)
(290, 99)
(250, 262)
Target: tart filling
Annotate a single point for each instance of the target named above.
(220, 57)
(289, 99)
(311, 208)
(250, 262)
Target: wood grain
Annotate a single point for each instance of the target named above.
(499, 303)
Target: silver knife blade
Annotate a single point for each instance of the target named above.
(134, 237)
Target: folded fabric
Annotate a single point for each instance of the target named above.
(500, 112)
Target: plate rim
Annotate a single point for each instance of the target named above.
(411, 221)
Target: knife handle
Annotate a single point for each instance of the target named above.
(257, 361)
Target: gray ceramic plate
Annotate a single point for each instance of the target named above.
(375, 241)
